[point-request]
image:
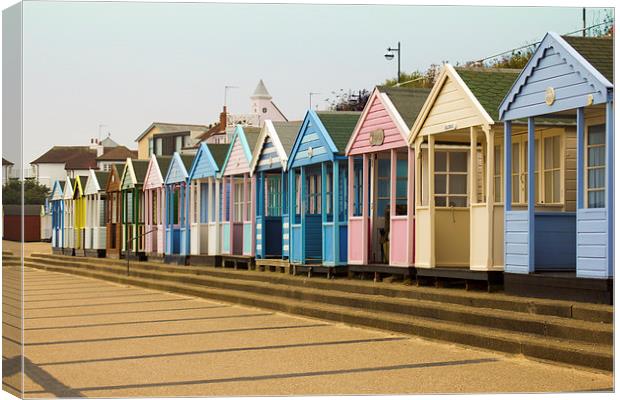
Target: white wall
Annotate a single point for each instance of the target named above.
(47, 174)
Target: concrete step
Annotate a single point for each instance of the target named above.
(548, 326)
(496, 301)
(599, 356)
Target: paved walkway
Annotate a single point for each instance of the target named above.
(92, 338)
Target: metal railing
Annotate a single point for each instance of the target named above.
(127, 251)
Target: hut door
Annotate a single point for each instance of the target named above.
(380, 194)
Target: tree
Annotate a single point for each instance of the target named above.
(34, 193)
(349, 101)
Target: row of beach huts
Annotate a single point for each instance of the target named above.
(433, 183)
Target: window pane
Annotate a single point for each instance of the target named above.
(515, 158)
(440, 184)
(441, 161)
(458, 201)
(498, 160)
(384, 167)
(596, 134)
(401, 165)
(596, 178)
(384, 188)
(515, 189)
(498, 189)
(556, 186)
(596, 199)
(596, 156)
(401, 188)
(458, 161)
(458, 184)
(556, 152)
(548, 161)
(548, 186)
(440, 201)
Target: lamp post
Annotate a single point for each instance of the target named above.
(390, 55)
(226, 92)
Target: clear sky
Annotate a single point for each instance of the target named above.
(128, 64)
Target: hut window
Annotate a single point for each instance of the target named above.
(343, 204)
(358, 175)
(551, 169)
(154, 208)
(297, 193)
(497, 173)
(451, 179)
(595, 167)
(129, 208)
(401, 183)
(383, 186)
(238, 202)
(273, 195)
(314, 194)
(329, 193)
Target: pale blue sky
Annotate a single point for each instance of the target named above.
(128, 64)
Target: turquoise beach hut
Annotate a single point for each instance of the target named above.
(177, 209)
(565, 255)
(318, 190)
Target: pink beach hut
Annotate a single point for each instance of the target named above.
(381, 218)
(155, 206)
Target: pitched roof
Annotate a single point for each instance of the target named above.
(6, 162)
(218, 152)
(163, 162)
(82, 160)
(261, 90)
(489, 85)
(108, 142)
(60, 154)
(251, 135)
(187, 161)
(597, 51)
(119, 153)
(339, 125)
(139, 168)
(166, 127)
(407, 101)
(102, 178)
(287, 133)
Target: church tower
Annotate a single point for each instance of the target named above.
(262, 105)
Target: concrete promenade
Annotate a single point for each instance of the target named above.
(92, 338)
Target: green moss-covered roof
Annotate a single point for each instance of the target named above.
(102, 178)
(218, 152)
(139, 168)
(163, 162)
(251, 135)
(598, 51)
(187, 161)
(287, 132)
(408, 101)
(489, 86)
(339, 125)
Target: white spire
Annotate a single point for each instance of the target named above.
(261, 91)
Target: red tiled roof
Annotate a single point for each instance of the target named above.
(82, 160)
(61, 154)
(119, 153)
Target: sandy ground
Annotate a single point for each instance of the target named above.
(85, 337)
(29, 247)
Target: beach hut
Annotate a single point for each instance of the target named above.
(317, 173)
(238, 214)
(269, 166)
(95, 227)
(206, 204)
(79, 215)
(56, 197)
(154, 207)
(457, 138)
(381, 219)
(132, 217)
(560, 237)
(68, 217)
(113, 213)
(177, 206)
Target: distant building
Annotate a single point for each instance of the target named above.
(163, 139)
(262, 108)
(62, 161)
(7, 168)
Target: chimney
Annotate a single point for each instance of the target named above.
(95, 144)
(223, 119)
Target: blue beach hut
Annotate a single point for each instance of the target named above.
(177, 209)
(318, 189)
(566, 255)
(269, 166)
(57, 206)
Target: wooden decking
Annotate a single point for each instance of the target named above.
(273, 265)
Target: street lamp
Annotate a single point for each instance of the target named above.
(390, 56)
